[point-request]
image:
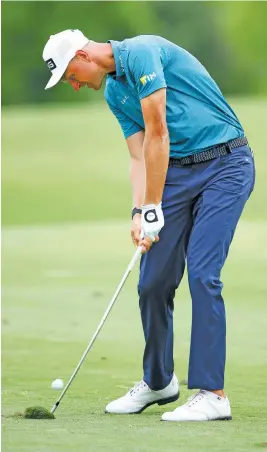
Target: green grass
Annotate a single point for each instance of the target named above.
(71, 164)
(63, 165)
(63, 256)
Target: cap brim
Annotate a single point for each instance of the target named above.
(56, 77)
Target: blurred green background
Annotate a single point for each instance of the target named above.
(228, 37)
(66, 203)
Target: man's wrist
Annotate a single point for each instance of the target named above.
(135, 211)
(148, 206)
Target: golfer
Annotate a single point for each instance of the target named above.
(192, 172)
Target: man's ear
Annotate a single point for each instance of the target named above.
(83, 55)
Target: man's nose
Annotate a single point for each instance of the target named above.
(75, 85)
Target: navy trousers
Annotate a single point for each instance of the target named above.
(202, 204)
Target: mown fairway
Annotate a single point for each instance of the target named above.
(65, 212)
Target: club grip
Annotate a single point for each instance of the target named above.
(136, 256)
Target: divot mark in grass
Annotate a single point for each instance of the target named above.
(37, 412)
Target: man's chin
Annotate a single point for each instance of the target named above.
(94, 87)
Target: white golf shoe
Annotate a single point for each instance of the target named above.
(203, 406)
(141, 396)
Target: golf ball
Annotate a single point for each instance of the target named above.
(57, 384)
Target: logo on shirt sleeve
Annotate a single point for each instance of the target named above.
(148, 78)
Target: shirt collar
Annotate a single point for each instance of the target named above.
(116, 49)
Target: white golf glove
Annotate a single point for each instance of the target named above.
(152, 220)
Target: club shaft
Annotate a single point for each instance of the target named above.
(125, 276)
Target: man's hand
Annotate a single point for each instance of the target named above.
(152, 221)
(145, 242)
(136, 229)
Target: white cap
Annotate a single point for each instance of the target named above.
(59, 50)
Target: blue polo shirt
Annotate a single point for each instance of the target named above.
(198, 116)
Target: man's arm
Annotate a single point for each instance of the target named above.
(138, 181)
(149, 153)
(146, 66)
(156, 145)
(137, 167)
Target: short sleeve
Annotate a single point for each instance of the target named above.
(146, 68)
(128, 126)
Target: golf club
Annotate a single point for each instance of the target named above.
(125, 276)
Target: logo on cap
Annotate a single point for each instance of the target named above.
(51, 64)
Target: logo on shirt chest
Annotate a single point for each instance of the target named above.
(124, 100)
(148, 78)
(121, 63)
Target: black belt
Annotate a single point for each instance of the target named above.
(209, 154)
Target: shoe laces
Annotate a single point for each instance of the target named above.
(137, 387)
(196, 398)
